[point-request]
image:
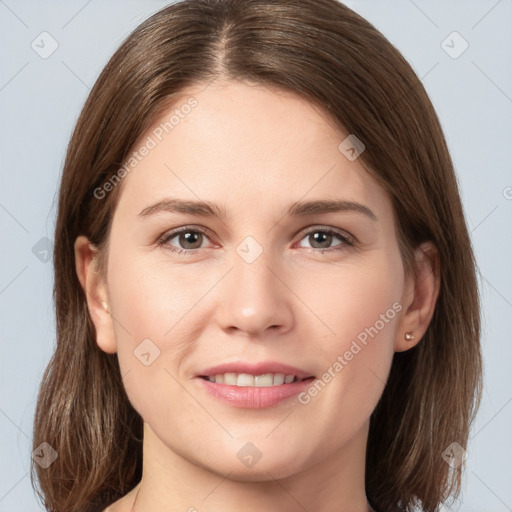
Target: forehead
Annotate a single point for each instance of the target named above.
(239, 144)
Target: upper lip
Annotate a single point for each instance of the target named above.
(255, 369)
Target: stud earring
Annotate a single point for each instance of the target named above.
(105, 306)
(408, 336)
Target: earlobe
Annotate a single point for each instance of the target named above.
(95, 289)
(420, 297)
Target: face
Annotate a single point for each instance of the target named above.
(263, 286)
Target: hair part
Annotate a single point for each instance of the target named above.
(326, 53)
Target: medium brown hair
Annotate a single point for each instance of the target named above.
(331, 56)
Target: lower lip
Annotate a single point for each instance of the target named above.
(252, 397)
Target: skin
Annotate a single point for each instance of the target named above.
(253, 150)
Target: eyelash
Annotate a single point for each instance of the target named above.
(345, 239)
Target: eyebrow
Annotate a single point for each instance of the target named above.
(208, 209)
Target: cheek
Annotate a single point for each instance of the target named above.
(151, 297)
(361, 307)
(356, 298)
(159, 316)
(153, 335)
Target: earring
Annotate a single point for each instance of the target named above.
(408, 336)
(105, 306)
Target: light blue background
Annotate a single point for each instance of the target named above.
(40, 100)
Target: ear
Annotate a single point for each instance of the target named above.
(420, 296)
(95, 289)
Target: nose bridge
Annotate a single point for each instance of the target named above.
(254, 299)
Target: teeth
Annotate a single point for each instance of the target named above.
(229, 378)
(247, 380)
(278, 379)
(263, 381)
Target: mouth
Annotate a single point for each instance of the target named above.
(260, 381)
(254, 386)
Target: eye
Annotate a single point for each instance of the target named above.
(324, 237)
(190, 239)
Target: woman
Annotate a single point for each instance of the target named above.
(316, 347)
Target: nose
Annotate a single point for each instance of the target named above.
(254, 300)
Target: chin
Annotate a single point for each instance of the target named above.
(260, 472)
(248, 465)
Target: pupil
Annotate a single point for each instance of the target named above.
(322, 237)
(319, 237)
(189, 238)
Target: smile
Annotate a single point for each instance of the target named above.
(246, 379)
(253, 386)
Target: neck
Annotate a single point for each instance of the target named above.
(172, 482)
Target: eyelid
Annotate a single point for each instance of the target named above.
(340, 232)
(168, 235)
(348, 238)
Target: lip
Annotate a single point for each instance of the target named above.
(255, 369)
(253, 397)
